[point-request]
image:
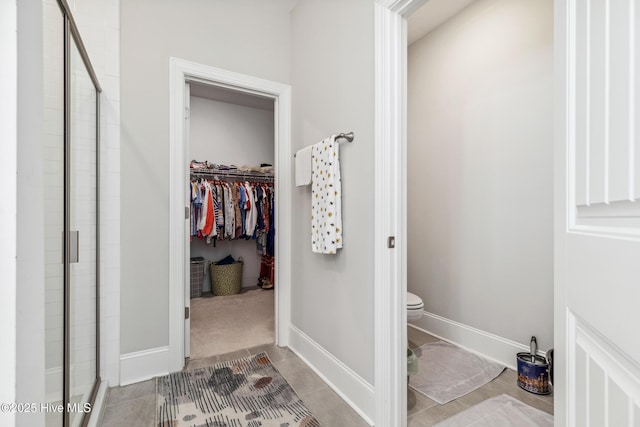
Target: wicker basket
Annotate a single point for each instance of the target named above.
(226, 279)
(197, 276)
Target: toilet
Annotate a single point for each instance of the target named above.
(415, 307)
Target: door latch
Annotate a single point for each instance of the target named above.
(186, 312)
(391, 242)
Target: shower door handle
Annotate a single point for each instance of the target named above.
(74, 241)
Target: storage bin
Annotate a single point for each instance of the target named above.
(197, 276)
(226, 279)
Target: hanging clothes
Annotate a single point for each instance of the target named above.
(231, 210)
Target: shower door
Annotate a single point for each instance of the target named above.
(71, 144)
(82, 188)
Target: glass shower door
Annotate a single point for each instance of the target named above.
(82, 310)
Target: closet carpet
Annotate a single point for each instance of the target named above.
(224, 324)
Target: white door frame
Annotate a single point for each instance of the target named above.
(182, 71)
(391, 210)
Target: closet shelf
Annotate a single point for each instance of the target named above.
(222, 174)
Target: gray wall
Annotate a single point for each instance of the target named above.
(332, 80)
(248, 36)
(480, 169)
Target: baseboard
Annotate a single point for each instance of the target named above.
(143, 365)
(491, 346)
(354, 390)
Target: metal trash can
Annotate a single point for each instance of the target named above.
(197, 276)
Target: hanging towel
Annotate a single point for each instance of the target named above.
(326, 196)
(303, 166)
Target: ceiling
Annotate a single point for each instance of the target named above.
(432, 14)
(230, 96)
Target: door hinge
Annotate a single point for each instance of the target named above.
(391, 242)
(186, 312)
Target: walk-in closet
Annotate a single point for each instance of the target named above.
(230, 138)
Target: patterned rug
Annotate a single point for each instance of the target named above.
(247, 392)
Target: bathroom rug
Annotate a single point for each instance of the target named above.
(446, 372)
(501, 410)
(244, 392)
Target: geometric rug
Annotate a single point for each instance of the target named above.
(501, 410)
(446, 372)
(246, 392)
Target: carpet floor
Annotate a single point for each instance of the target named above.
(224, 324)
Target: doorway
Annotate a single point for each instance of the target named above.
(183, 72)
(230, 138)
(391, 153)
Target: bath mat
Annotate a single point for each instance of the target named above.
(247, 392)
(446, 372)
(501, 410)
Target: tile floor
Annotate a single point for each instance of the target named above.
(425, 412)
(134, 405)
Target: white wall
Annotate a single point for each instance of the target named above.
(53, 141)
(247, 36)
(225, 133)
(8, 208)
(30, 341)
(480, 236)
(332, 80)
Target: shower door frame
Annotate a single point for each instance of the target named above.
(71, 34)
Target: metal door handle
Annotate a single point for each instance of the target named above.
(74, 241)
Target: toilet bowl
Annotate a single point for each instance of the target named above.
(415, 307)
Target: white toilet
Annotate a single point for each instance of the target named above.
(415, 307)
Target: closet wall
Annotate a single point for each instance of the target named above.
(238, 132)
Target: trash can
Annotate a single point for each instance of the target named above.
(197, 276)
(226, 279)
(412, 363)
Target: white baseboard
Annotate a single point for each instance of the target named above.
(354, 390)
(143, 365)
(491, 346)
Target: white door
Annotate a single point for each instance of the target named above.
(597, 282)
(187, 251)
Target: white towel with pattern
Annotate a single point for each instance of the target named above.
(326, 198)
